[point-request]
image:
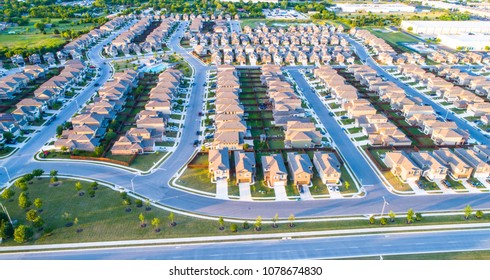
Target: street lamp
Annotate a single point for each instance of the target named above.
(132, 183)
(385, 203)
(6, 171)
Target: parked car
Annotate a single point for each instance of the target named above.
(331, 114)
(196, 142)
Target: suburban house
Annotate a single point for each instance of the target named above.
(328, 167)
(219, 165)
(402, 167)
(301, 168)
(458, 169)
(481, 169)
(275, 173)
(432, 169)
(245, 167)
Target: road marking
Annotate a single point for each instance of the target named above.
(354, 247)
(249, 253)
(387, 245)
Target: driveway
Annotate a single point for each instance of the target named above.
(415, 188)
(306, 195)
(281, 194)
(245, 193)
(222, 189)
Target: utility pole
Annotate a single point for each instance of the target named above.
(385, 203)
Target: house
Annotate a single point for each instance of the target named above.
(274, 170)
(478, 109)
(483, 151)
(301, 168)
(432, 169)
(481, 169)
(449, 136)
(244, 167)
(228, 139)
(219, 165)
(458, 169)
(327, 166)
(402, 167)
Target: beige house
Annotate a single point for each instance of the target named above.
(402, 167)
(327, 166)
(219, 165)
(458, 169)
(275, 173)
(244, 167)
(481, 169)
(432, 169)
(301, 168)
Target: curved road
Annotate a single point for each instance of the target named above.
(155, 185)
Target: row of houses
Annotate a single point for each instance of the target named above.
(287, 111)
(459, 163)
(151, 122)
(300, 167)
(415, 112)
(13, 84)
(384, 52)
(230, 127)
(124, 42)
(154, 40)
(453, 86)
(443, 56)
(90, 126)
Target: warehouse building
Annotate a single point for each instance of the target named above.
(446, 27)
(467, 42)
(373, 8)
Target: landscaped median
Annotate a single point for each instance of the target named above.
(97, 212)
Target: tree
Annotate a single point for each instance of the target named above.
(392, 216)
(479, 214)
(59, 130)
(37, 172)
(124, 195)
(410, 214)
(22, 234)
(21, 184)
(94, 185)
(171, 219)
(156, 222)
(383, 221)
(467, 212)
(418, 217)
(147, 204)
(8, 136)
(75, 221)
(53, 173)
(258, 223)
(139, 203)
(234, 228)
(291, 220)
(6, 229)
(31, 215)
(99, 151)
(78, 186)
(7, 194)
(64, 149)
(24, 200)
(274, 220)
(221, 223)
(141, 217)
(66, 216)
(245, 225)
(372, 220)
(346, 185)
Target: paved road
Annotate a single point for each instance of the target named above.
(363, 55)
(305, 248)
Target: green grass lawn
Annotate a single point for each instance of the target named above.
(347, 121)
(146, 161)
(198, 179)
(362, 138)
(428, 186)
(165, 143)
(103, 218)
(6, 150)
(455, 184)
(458, 111)
(396, 183)
(260, 189)
(355, 130)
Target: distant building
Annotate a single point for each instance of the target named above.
(438, 27)
(476, 42)
(373, 8)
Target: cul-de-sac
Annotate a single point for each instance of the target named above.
(244, 129)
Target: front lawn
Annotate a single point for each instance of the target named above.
(198, 179)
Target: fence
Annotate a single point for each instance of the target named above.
(106, 159)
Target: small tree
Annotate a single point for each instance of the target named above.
(66, 216)
(22, 234)
(94, 186)
(59, 130)
(258, 223)
(291, 220)
(6, 229)
(383, 221)
(171, 219)
(372, 220)
(31, 215)
(245, 225)
(141, 217)
(91, 193)
(8, 136)
(467, 212)
(38, 222)
(139, 203)
(392, 216)
(156, 222)
(234, 228)
(78, 186)
(123, 195)
(418, 217)
(479, 214)
(221, 223)
(410, 215)
(24, 200)
(7, 194)
(53, 173)
(98, 151)
(21, 184)
(37, 172)
(75, 221)
(274, 220)
(147, 204)
(38, 203)
(346, 185)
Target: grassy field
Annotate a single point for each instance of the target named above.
(28, 36)
(146, 161)
(254, 22)
(104, 218)
(394, 38)
(198, 179)
(473, 255)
